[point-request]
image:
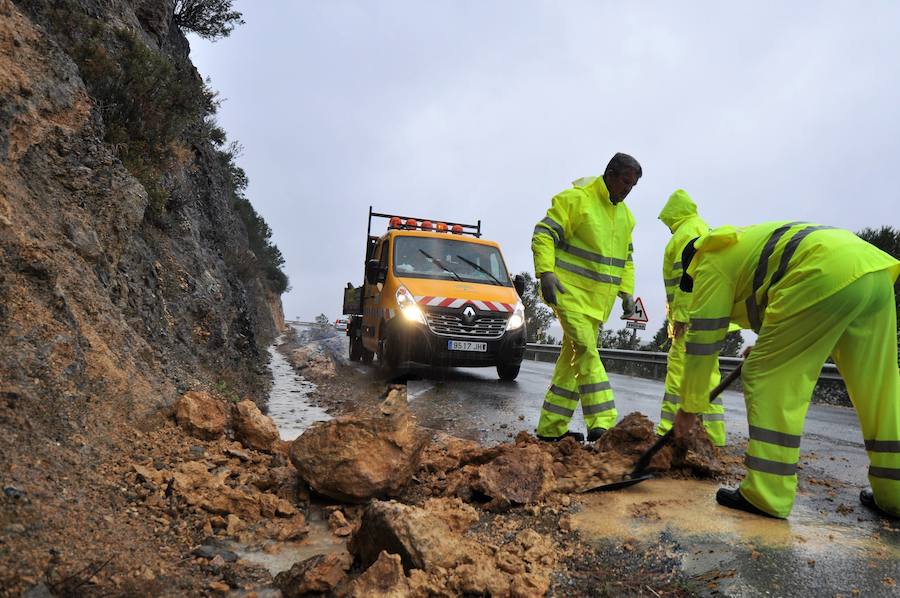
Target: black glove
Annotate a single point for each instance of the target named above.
(549, 285)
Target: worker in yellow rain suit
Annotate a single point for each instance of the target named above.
(809, 291)
(680, 215)
(583, 258)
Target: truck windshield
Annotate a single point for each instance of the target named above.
(450, 259)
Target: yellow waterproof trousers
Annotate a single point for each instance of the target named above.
(713, 417)
(857, 326)
(579, 374)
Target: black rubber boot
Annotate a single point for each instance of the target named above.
(733, 499)
(595, 434)
(867, 498)
(576, 435)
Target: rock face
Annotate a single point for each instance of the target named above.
(320, 574)
(201, 415)
(251, 428)
(358, 457)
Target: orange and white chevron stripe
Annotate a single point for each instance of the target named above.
(428, 301)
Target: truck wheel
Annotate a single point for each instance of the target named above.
(508, 372)
(355, 349)
(365, 354)
(389, 354)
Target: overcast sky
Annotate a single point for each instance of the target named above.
(467, 110)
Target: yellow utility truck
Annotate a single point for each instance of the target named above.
(435, 293)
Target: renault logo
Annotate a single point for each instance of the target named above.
(468, 315)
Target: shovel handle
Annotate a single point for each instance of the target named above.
(645, 459)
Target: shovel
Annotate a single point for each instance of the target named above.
(638, 474)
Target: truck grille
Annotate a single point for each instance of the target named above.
(487, 326)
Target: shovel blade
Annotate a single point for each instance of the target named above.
(624, 483)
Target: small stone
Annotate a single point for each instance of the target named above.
(220, 587)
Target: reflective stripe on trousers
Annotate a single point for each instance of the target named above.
(579, 376)
(714, 415)
(857, 327)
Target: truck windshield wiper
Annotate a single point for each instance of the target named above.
(480, 268)
(440, 264)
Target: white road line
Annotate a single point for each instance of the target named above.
(418, 393)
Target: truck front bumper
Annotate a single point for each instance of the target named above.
(419, 344)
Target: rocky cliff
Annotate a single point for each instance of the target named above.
(127, 274)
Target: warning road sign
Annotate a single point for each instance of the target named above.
(640, 315)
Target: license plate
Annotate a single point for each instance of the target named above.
(466, 346)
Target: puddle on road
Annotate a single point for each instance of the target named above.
(281, 556)
(288, 404)
(687, 508)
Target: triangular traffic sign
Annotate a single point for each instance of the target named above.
(640, 314)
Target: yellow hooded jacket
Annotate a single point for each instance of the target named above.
(586, 241)
(680, 215)
(764, 273)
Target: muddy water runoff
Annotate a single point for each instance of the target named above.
(289, 405)
(291, 410)
(746, 555)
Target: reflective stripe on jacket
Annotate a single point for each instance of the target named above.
(763, 274)
(586, 241)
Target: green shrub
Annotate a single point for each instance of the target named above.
(210, 19)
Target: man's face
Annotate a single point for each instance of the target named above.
(619, 184)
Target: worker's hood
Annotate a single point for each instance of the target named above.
(678, 208)
(452, 289)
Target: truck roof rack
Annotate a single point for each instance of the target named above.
(467, 229)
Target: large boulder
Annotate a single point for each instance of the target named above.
(521, 475)
(201, 415)
(251, 428)
(358, 457)
(440, 560)
(420, 538)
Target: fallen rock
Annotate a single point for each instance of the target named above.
(358, 457)
(251, 428)
(284, 530)
(313, 362)
(458, 515)
(211, 552)
(521, 475)
(420, 538)
(319, 574)
(201, 415)
(384, 579)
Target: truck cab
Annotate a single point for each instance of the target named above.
(436, 293)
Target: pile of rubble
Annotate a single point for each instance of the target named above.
(412, 504)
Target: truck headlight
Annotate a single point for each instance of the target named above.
(408, 306)
(516, 320)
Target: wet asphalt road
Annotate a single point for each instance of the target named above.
(830, 545)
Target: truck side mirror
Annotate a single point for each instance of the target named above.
(372, 271)
(519, 284)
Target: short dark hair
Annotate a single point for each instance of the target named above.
(622, 162)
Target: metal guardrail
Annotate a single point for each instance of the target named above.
(726, 364)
